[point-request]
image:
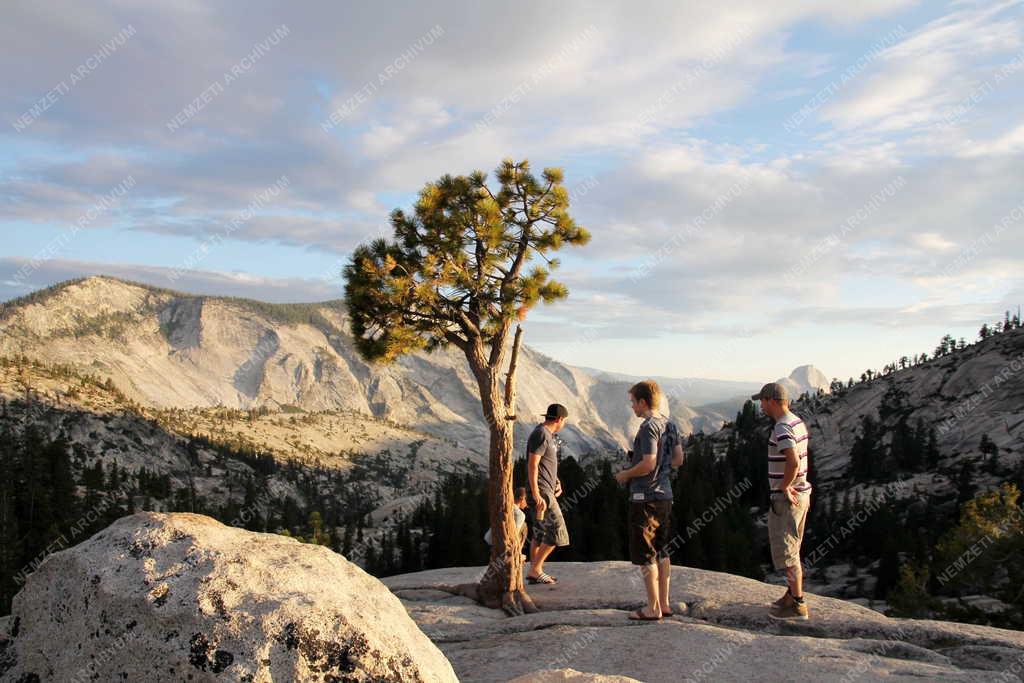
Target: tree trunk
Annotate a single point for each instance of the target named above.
(502, 582)
(510, 377)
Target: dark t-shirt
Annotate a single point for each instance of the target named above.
(543, 441)
(658, 435)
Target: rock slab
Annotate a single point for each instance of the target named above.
(721, 631)
(174, 597)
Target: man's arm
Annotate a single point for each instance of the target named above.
(532, 472)
(789, 476)
(645, 466)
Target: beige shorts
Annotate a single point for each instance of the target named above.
(786, 528)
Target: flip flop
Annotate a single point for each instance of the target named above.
(544, 578)
(640, 616)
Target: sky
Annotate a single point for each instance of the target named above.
(767, 185)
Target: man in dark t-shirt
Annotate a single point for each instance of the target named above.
(657, 449)
(543, 485)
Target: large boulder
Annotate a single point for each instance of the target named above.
(175, 597)
(721, 631)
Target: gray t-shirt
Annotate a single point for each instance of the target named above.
(543, 441)
(657, 434)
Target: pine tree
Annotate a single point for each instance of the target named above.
(454, 276)
(316, 528)
(370, 563)
(990, 450)
(910, 595)
(995, 520)
(864, 463)
(965, 485)
(932, 454)
(347, 539)
(11, 548)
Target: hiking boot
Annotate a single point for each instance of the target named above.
(797, 610)
(785, 601)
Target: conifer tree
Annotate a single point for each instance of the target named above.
(990, 450)
(932, 454)
(454, 274)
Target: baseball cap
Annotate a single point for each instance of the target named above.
(772, 390)
(555, 411)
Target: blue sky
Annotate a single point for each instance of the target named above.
(767, 184)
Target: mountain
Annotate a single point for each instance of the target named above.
(130, 397)
(693, 391)
(901, 463)
(805, 379)
(166, 349)
(697, 404)
(966, 394)
(116, 396)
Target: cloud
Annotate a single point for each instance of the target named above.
(931, 241)
(673, 113)
(277, 290)
(919, 80)
(1011, 143)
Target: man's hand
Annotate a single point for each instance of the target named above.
(621, 477)
(540, 507)
(791, 494)
(558, 487)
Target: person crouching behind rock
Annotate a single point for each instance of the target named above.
(549, 530)
(657, 450)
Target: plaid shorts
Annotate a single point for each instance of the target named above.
(551, 530)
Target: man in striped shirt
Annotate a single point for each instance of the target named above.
(790, 496)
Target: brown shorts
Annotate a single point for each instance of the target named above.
(786, 528)
(649, 525)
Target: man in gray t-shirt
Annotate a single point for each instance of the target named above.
(656, 484)
(543, 485)
(657, 449)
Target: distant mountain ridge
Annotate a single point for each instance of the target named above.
(964, 395)
(695, 391)
(168, 349)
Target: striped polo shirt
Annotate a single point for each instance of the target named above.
(789, 432)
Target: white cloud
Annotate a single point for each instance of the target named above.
(1007, 144)
(931, 241)
(667, 108)
(914, 82)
